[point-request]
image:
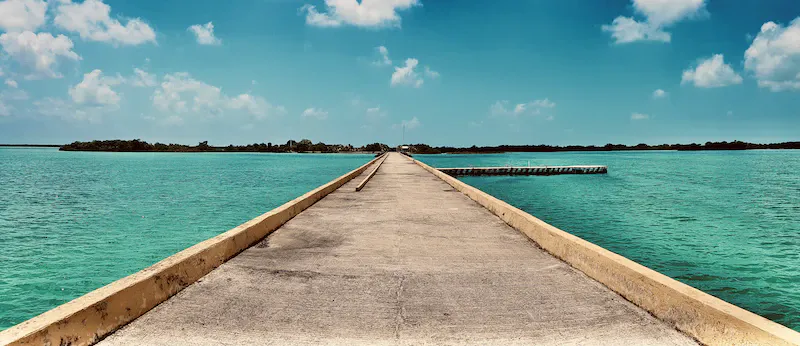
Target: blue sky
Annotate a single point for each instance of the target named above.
(450, 72)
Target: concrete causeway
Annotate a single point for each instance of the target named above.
(407, 260)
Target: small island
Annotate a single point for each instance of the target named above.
(303, 146)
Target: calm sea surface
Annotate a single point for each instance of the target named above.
(725, 222)
(72, 222)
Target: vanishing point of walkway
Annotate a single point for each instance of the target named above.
(407, 260)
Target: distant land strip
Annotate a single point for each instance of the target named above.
(306, 145)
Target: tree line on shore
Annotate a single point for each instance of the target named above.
(306, 145)
(137, 145)
(735, 145)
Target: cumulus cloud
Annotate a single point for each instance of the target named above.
(505, 108)
(658, 14)
(22, 15)
(384, 57)
(315, 113)
(205, 34)
(11, 83)
(666, 12)
(639, 116)
(774, 56)
(38, 53)
(407, 74)
(96, 89)
(627, 30)
(92, 21)
(659, 94)
(364, 13)
(179, 93)
(711, 73)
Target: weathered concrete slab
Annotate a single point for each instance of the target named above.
(407, 260)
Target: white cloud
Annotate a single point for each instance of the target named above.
(546, 103)
(406, 75)
(627, 30)
(711, 73)
(364, 13)
(504, 108)
(12, 83)
(22, 15)
(659, 94)
(205, 34)
(95, 89)
(179, 93)
(315, 113)
(38, 53)
(92, 21)
(774, 56)
(658, 14)
(639, 116)
(666, 12)
(254, 105)
(142, 78)
(384, 57)
(5, 110)
(431, 73)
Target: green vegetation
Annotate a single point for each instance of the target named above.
(735, 145)
(136, 145)
(305, 145)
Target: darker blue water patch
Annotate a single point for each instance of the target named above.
(725, 222)
(71, 222)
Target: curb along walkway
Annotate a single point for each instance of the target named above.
(407, 260)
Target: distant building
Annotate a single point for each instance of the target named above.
(403, 149)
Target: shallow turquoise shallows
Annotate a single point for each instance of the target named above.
(71, 222)
(725, 222)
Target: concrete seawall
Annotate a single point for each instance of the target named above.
(710, 320)
(91, 317)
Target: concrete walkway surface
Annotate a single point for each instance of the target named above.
(406, 261)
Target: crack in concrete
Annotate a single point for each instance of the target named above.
(400, 318)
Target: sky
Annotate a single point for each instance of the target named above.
(422, 71)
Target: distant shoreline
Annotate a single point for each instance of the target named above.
(306, 146)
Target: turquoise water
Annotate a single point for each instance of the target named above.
(71, 222)
(725, 222)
